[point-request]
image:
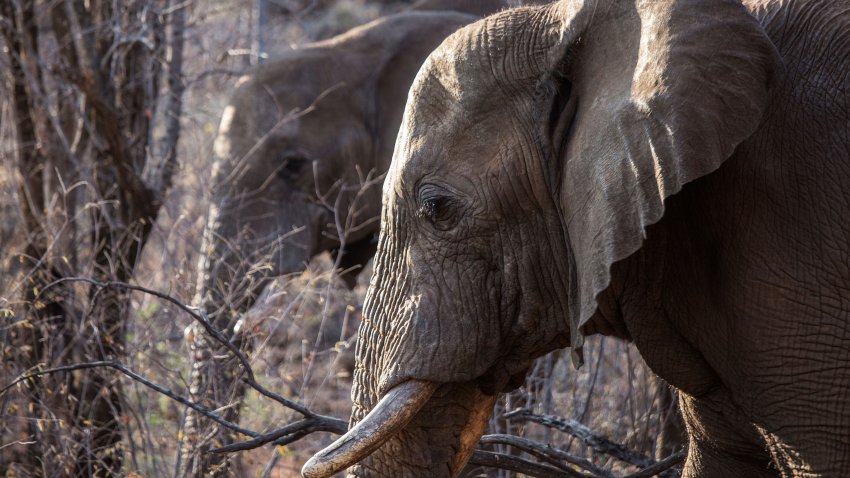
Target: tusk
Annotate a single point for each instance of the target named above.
(390, 415)
(477, 422)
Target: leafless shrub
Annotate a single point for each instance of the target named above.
(85, 80)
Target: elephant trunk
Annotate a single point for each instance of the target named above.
(402, 425)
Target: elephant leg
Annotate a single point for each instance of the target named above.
(672, 436)
(723, 443)
(806, 432)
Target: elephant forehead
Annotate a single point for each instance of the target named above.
(249, 131)
(454, 106)
(451, 94)
(454, 80)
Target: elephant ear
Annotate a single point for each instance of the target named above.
(662, 92)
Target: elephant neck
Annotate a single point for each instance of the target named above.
(634, 289)
(608, 319)
(649, 304)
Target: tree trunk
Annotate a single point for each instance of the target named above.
(83, 113)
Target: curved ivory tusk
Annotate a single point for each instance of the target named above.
(472, 431)
(389, 416)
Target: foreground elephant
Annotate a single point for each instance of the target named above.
(672, 172)
(318, 122)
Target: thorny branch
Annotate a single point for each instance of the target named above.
(285, 435)
(591, 439)
(199, 317)
(662, 466)
(117, 366)
(546, 453)
(520, 465)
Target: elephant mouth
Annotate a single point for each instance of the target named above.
(395, 410)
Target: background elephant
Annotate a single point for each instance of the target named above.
(473, 7)
(299, 159)
(672, 172)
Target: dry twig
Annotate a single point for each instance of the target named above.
(591, 439)
(662, 466)
(520, 465)
(547, 453)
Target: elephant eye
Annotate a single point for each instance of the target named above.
(292, 165)
(436, 206)
(428, 209)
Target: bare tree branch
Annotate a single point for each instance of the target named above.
(250, 379)
(185, 308)
(138, 378)
(591, 439)
(662, 466)
(548, 453)
(283, 436)
(520, 465)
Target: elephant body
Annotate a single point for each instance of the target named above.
(671, 172)
(745, 279)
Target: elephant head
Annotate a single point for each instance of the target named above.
(300, 152)
(536, 146)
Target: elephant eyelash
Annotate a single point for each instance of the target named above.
(428, 209)
(438, 205)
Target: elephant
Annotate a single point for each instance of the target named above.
(675, 173)
(480, 8)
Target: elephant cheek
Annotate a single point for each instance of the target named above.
(437, 346)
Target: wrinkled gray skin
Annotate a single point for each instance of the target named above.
(672, 172)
